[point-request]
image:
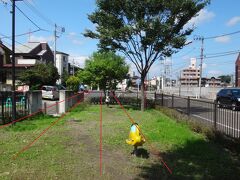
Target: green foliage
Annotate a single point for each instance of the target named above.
(225, 78)
(105, 69)
(143, 30)
(73, 83)
(64, 77)
(39, 75)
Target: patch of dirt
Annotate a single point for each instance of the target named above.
(85, 149)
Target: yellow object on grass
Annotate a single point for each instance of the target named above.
(135, 138)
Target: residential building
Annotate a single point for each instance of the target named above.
(27, 56)
(211, 82)
(73, 68)
(190, 76)
(61, 64)
(134, 81)
(5, 54)
(237, 71)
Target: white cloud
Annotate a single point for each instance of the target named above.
(73, 38)
(204, 66)
(78, 60)
(203, 16)
(223, 39)
(214, 73)
(77, 42)
(233, 21)
(72, 34)
(41, 38)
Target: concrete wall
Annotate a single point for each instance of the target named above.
(67, 99)
(5, 87)
(35, 101)
(206, 92)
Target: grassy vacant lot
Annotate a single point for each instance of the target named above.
(70, 149)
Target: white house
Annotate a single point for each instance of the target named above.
(61, 64)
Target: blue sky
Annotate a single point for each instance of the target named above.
(220, 17)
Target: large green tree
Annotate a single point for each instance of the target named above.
(105, 69)
(143, 30)
(39, 75)
(225, 78)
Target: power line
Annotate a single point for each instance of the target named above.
(227, 54)
(15, 41)
(28, 17)
(22, 34)
(38, 13)
(227, 34)
(190, 51)
(221, 53)
(11, 45)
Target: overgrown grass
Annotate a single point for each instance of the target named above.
(190, 155)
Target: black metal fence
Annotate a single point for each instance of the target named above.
(222, 119)
(22, 106)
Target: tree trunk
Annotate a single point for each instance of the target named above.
(142, 93)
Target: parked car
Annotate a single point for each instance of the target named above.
(229, 97)
(50, 92)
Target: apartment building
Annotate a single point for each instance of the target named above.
(190, 76)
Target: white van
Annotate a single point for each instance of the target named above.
(50, 92)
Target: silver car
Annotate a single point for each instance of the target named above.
(50, 92)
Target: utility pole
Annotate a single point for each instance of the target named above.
(201, 38)
(55, 44)
(55, 40)
(13, 62)
(201, 64)
(180, 83)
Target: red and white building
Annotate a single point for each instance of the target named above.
(237, 71)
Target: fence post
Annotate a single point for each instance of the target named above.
(155, 97)
(162, 99)
(215, 115)
(172, 101)
(3, 118)
(57, 108)
(188, 106)
(45, 108)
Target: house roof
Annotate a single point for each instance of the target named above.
(4, 47)
(18, 65)
(26, 48)
(59, 52)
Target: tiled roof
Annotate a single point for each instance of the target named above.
(26, 48)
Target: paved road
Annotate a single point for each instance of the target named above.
(227, 121)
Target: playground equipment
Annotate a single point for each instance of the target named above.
(135, 138)
(9, 102)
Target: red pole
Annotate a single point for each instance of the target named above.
(100, 134)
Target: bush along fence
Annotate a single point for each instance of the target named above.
(22, 106)
(222, 119)
(126, 98)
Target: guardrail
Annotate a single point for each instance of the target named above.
(222, 119)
